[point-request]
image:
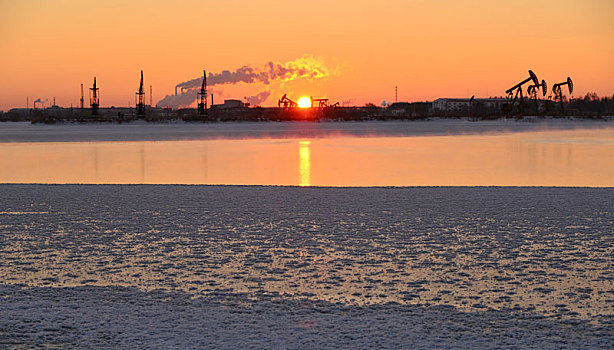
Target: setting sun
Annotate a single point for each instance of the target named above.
(304, 102)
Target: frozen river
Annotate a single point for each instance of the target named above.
(437, 153)
(131, 257)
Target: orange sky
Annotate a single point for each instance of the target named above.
(429, 49)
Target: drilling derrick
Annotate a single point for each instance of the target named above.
(140, 107)
(94, 98)
(515, 93)
(202, 96)
(558, 92)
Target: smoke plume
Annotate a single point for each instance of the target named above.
(41, 101)
(306, 67)
(259, 98)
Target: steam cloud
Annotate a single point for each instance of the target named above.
(42, 102)
(306, 67)
(259, 98)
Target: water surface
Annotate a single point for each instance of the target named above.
(569, 157)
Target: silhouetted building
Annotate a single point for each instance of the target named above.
(230, 104)
(409, 109)
(464, 104)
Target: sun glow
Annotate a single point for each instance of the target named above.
(304, 102)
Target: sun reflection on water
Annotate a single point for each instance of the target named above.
(516, 159)
(305, 163)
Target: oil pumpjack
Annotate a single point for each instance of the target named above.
(286, 102)
(558, 92)
(515, 92)
(533, 90)
(94, 98)
(140, 107)
(202, 97)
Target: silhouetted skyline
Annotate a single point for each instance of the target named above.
(427, 49)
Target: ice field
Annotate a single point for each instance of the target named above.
(163, 266)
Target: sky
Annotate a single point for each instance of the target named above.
(352, 52)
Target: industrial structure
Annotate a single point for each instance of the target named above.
(286, 102)
(533, 90)
(140, 106)
(81, 97)
(558, 92)
(317, 108)
(323, 103)
(94, 98)
(202, 97)
(514, 93)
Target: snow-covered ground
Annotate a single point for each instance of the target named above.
(284, 267)
(142, 131)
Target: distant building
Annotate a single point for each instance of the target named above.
(464, 104)
(413, 109)
(230, 104)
